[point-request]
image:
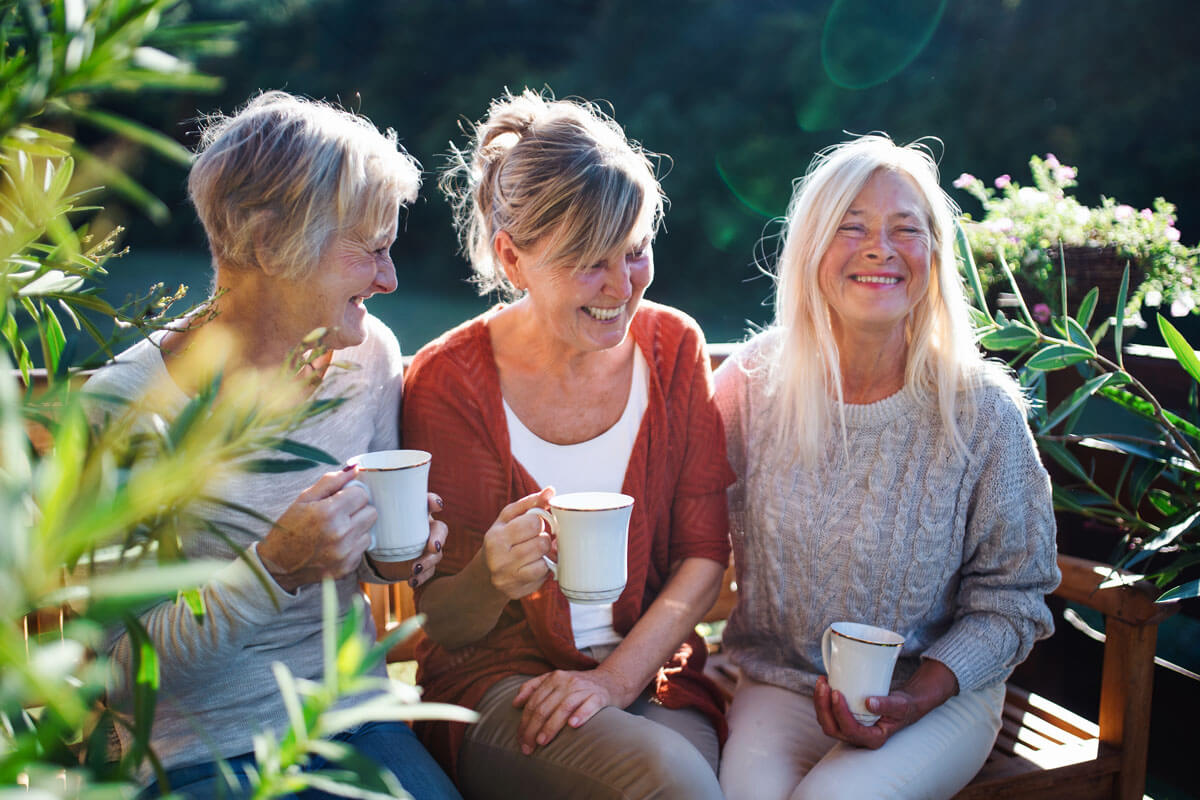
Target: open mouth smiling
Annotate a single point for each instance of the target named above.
(603, 314)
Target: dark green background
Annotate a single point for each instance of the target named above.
(738, 94)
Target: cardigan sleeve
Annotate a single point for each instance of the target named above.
(443, 414)
(699, 510)
(1009, 559)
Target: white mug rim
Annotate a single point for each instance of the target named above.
(860, 637)
(419, 458)
(618, 500)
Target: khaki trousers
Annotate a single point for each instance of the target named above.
(777, 751)
(644, 751)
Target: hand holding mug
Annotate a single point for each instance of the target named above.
(591, 530)
(514, 546)
(322, 534)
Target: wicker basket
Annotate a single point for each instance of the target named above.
(1101, 267)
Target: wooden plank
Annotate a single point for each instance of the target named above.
(1051, 712)
(1132, 603)
(1125, 694)
(1013, 780)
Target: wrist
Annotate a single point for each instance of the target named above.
(283, 577)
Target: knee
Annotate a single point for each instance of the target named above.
(670, 767)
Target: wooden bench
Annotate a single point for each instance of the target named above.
(1043, 750)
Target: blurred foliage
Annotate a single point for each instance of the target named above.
(739, 95)
(95, 494)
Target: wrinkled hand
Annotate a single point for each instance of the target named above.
(562, 698)
(513, 547)
(895, 711)
(322, 534)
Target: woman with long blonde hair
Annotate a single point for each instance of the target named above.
(886, 476)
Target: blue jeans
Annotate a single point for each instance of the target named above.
(391, 745)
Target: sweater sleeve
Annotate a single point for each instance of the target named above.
(238, 600)
(1009, 559)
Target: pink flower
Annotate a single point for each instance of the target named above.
(964, 180)
(1147, 213)
(1051, 161)
(1180, 306)
(1172, 234)
(1064, 174)
(1123, 213)
(1003, 181)
(1041, 312)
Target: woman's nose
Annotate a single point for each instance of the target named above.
(878, 246)
(620, 283)
(385, 276)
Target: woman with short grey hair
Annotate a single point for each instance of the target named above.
(299, 200)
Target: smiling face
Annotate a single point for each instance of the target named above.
(585, 308)
(876, 268)
(355, 266)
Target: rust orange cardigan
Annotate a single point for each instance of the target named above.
(677, 472)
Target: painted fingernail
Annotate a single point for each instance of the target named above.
(417, 568)
(440, 503)
(347, 468)
(437, 546)
(412, 582)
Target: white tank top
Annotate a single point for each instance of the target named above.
(598, 464)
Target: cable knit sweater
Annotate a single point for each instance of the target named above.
(954, 554)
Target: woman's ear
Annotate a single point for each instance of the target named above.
(264, 258)
(509, 259)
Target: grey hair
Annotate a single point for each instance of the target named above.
(274, 183)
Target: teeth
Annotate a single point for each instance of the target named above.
(876, 279)
(603, 313)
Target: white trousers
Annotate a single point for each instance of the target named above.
(777, 751)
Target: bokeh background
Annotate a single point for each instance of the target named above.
(737, 95)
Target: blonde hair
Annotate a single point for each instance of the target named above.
(804, 369)
(279, 179)
(538, 167)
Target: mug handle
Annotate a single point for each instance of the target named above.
(826, 654)
(552, 523)
(371, 500)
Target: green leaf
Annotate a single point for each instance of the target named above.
(276, 465)
(136, 132)
(1185, 592)
(1012, 281)
(963, 246)
(1076, 400)
(1078, 335)
(1064, 458)
(1119, 326)
(1012, 336)
(1088, 307)
(1058, 355)
(1184, 354)
(305, 451)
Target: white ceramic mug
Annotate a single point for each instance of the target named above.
(592, 530)
(859, 660)
(397, 482)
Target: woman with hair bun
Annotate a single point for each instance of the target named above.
(577, 383)
(886, 475)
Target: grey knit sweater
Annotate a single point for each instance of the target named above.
(218, 689)
(954, 554)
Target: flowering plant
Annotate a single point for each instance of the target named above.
(1027, 226)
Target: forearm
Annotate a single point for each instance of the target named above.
(462, 608)
(685, 598)
(931, 685)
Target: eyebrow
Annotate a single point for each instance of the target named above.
(899, 214)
